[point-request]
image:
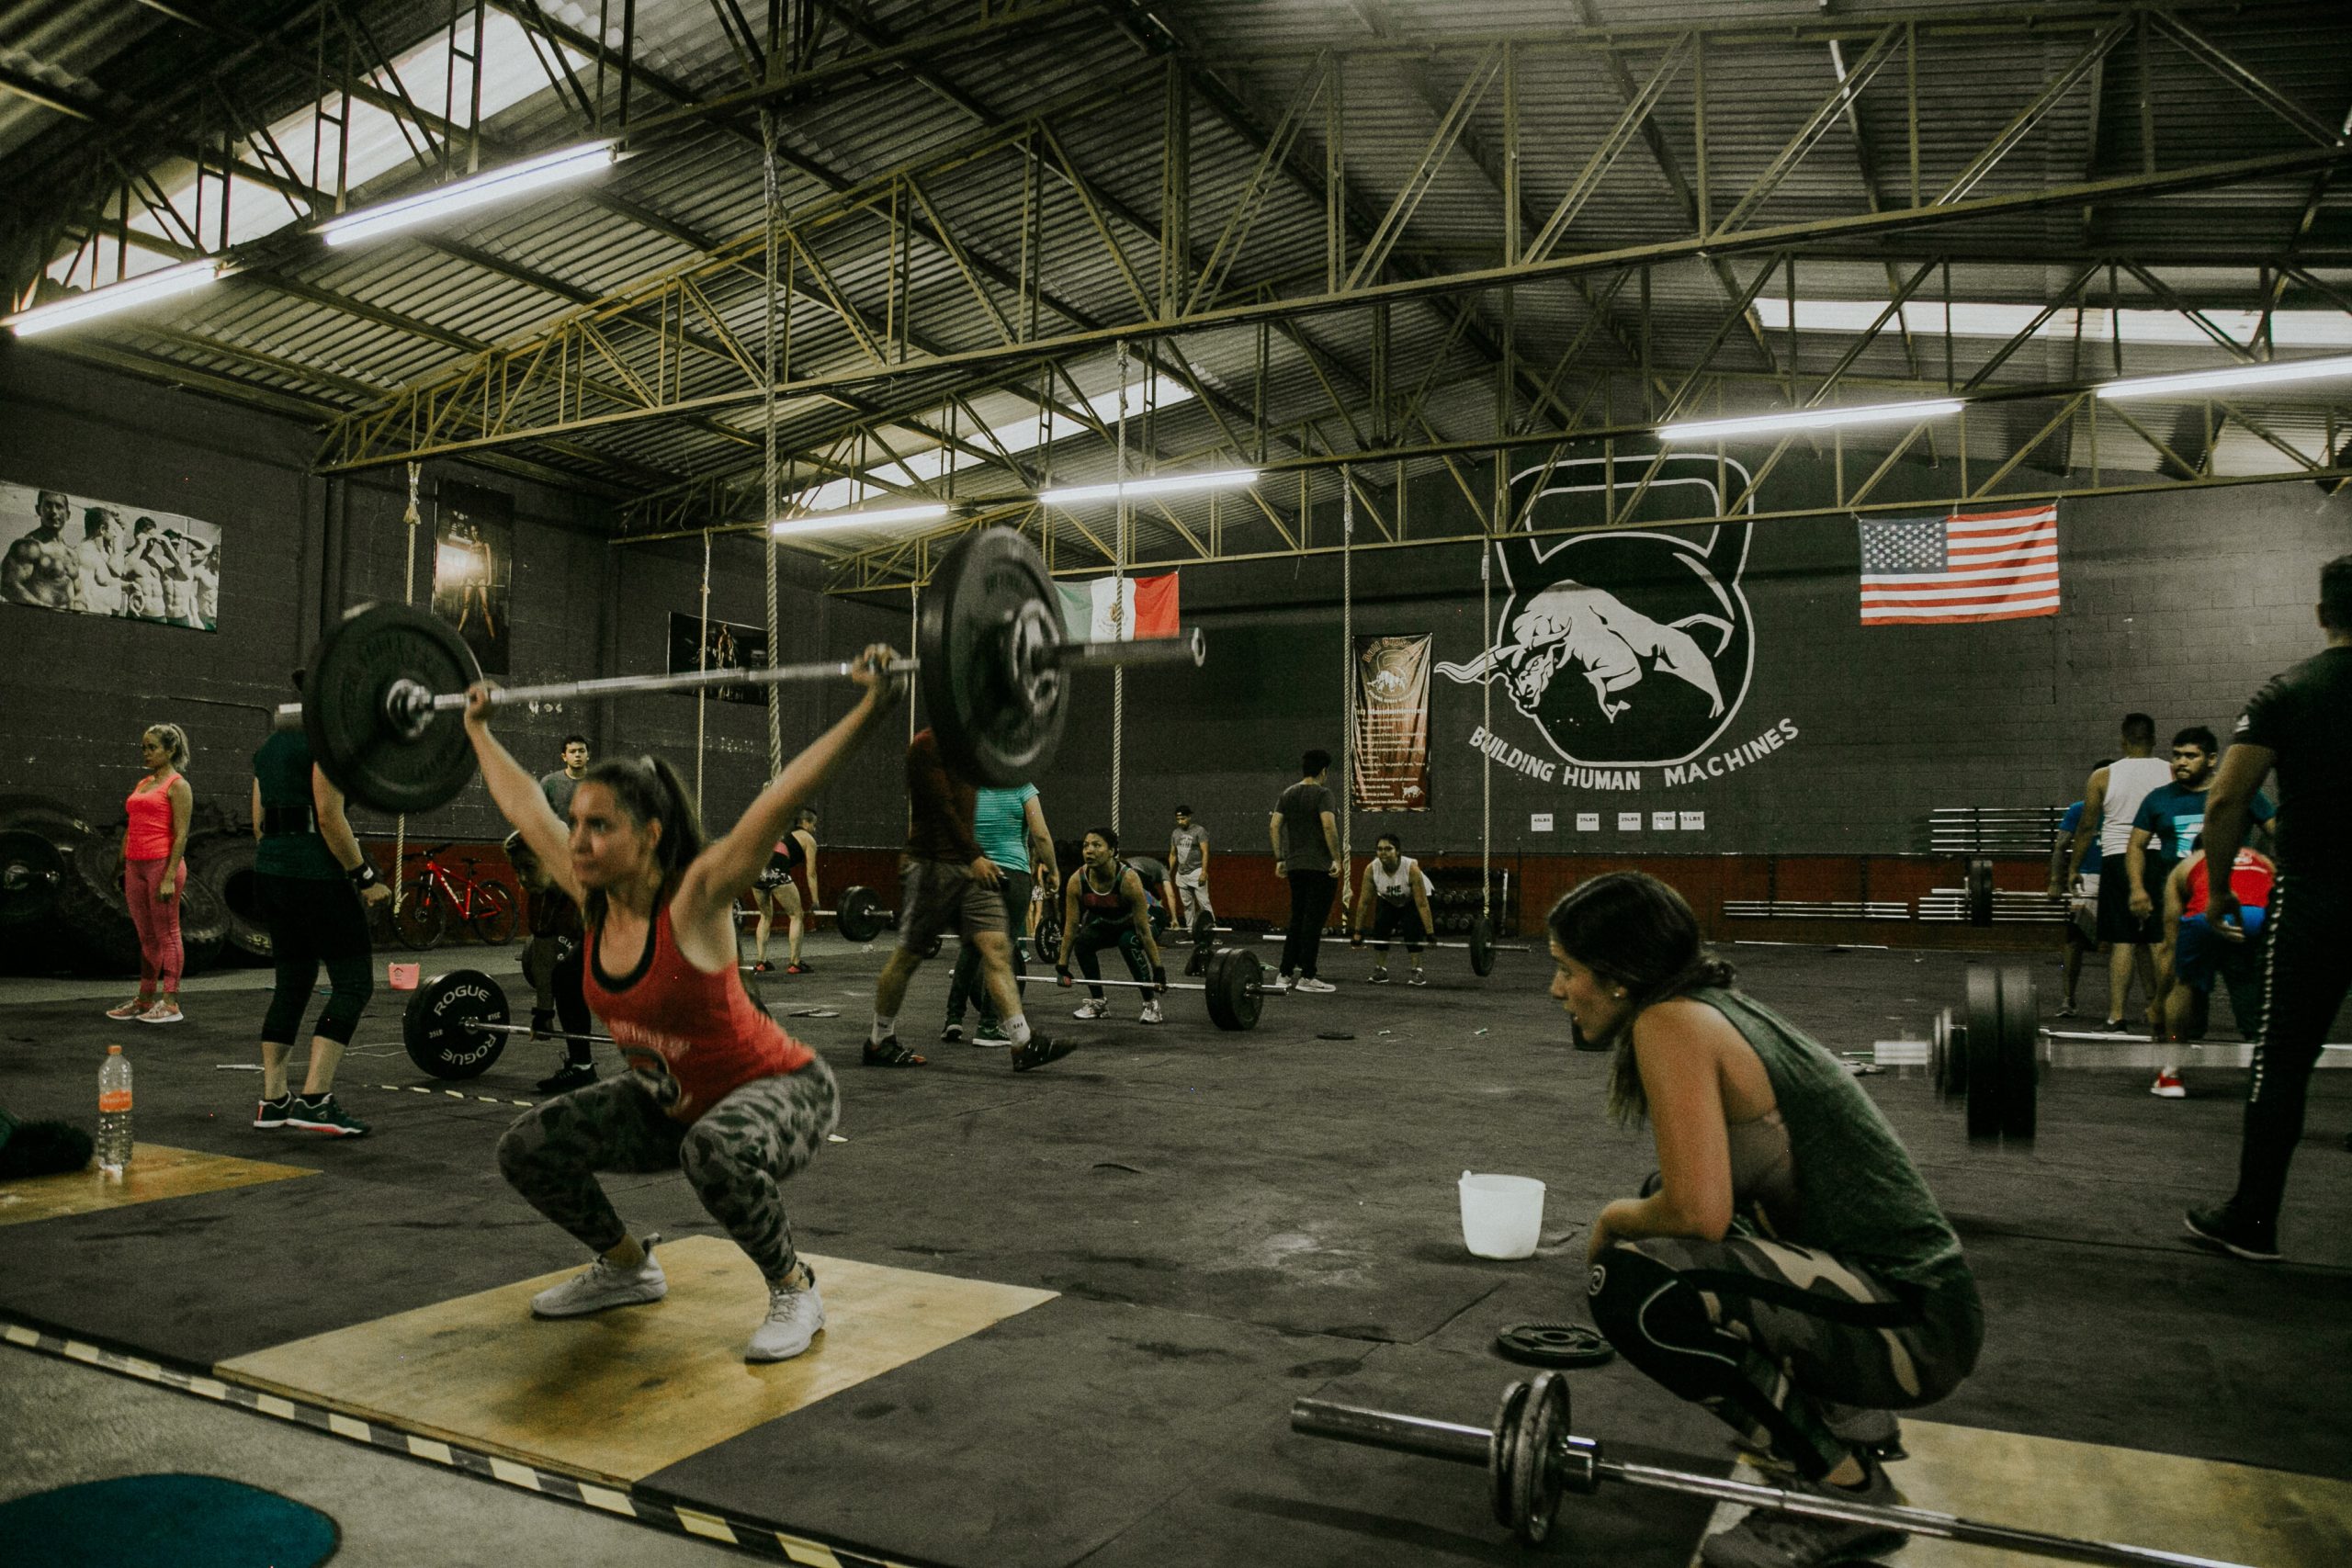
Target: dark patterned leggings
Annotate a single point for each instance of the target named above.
(737, 1156)
(1773, 1337)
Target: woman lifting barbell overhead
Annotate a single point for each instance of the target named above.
(715, 1086)
(1791, 1273)
(1396, 898)
(1104, 906)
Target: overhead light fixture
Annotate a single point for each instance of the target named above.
(130, 293)
(1810, 419)
(1166, 484)
(922, 512)
(2271, 374)
(494, 185)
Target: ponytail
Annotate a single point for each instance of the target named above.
(175, 741)
(1633, 930)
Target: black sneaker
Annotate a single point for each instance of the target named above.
(888, 1053)
(2220, 1226)
(1038, 1050)
(323, 1115)
(567, 1078)
(954, 1033)
(272, 1112)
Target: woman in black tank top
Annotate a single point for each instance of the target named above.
(775, 893)
(1104, 906)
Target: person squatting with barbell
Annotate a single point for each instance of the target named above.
(1791, 1273)
(715, 1087)
(1394, 898)
(1104, 906)
(948, 883)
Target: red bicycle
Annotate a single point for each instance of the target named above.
(438, 895)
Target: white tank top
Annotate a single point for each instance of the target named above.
(1397, 886)
(2129, 782)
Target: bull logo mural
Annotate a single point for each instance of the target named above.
(1629, 648)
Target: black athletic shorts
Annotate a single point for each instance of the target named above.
(2116, 920)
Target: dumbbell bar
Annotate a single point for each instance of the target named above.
(1235, 988)
(1532, 1459)
(989, 655)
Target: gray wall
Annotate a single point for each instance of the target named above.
(2181, 604)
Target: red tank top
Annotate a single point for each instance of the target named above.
(698, 1036)
(150, 811)
(2250, 879)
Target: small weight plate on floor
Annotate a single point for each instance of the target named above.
(1553, 1345)
(367, 754)
(858, 915)
(1482, 947)
(438, 1027)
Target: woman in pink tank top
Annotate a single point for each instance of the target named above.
(716, 1086)
(153, 839)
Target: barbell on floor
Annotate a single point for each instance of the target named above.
(1234, 986)
(386, 681)
(1481, 947)
(1532, 1458)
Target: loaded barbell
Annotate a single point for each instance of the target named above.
(1235, 987)
(1481, 947)
(385, 686)
(1532, 1458)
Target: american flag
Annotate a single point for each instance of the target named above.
(1988, 566)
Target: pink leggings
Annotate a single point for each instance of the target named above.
(160, 955)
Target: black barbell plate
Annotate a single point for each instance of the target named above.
(1482, 947)
(32, 871)
(1553, 1345)
(2020, 1074)
(1980, 892)
(858, 916)
(1205, 933)
(991, 727)
(1234, 988)
(354, 742)
(1541, 1421)
(1982, 1051)
(1940, 1054)
(438, 1025)
(1502, 1457)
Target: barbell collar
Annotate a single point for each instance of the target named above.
(411, 705)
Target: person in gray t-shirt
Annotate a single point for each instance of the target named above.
(1188, 859)
(1307, 855)
(557, 785)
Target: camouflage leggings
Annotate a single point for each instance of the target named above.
(737, 1156)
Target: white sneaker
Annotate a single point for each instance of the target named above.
(1151, 1013)
(600, 1285)
(796, 1314)
(1311, 984)
(1092, 1008)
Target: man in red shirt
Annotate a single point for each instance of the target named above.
(2195, 955)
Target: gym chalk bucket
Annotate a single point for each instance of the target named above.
(1502, 1215)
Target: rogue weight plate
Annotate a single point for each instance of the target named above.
(1482, 946)
(1553, 1345)
(372, 756)
(31, 870)
(859, 915)
(438, 1028)
(989, 622)
(1982, 1051)
(2021, 1085)
(1236, 989)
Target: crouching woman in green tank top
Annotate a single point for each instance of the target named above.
(1790, 1270)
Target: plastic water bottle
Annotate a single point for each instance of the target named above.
(114, 1112)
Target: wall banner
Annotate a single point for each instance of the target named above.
(102, 557)
(1392, 724)
(730, 645)
(473, 567)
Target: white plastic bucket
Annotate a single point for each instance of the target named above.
(1502, 1215)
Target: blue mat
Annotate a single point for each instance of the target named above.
(164, 1521)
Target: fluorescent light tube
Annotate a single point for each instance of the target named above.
(1166, 484)
(130, 293)
(1809, 418)
(922, 512)
(2235, 376)
(493, 185)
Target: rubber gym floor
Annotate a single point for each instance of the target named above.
(1068, 1309)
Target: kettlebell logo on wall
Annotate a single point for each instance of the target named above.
(1628, 648)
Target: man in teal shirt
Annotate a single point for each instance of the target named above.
(1011, 827)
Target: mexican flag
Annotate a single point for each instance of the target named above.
(1141, 607)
